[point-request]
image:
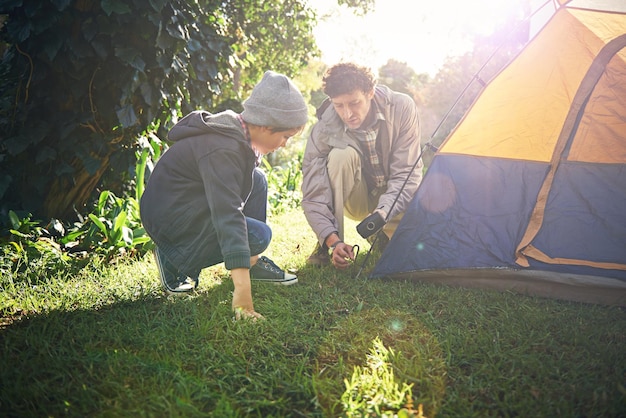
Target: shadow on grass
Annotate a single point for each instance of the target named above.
(150, 357)
(159, 356)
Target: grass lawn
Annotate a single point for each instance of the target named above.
(107, 343)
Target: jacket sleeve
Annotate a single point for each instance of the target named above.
(316, 191)
(404, 150)
(223, 174)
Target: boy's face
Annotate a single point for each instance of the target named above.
(353, 107)
(265, 140)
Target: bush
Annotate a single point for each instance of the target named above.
(283, 184)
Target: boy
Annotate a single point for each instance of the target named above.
(206, 200)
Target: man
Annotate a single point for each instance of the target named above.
(205, 203)
(359, 154)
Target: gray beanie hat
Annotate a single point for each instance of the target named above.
(275, 102)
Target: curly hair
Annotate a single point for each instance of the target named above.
(346, 78)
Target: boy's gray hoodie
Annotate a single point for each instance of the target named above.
(196, 193)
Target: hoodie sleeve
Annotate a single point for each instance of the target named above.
(222, 173)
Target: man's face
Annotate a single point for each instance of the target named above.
(353, 107)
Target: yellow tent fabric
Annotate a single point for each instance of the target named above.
(518, 125)
(599, 138)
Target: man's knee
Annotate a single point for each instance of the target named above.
(390, 227)
(343, 158)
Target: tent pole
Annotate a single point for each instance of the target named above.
(417, 160)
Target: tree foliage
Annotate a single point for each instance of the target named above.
(359, 7)
(400, 77)
(80, 79)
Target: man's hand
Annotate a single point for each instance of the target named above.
(342, 255)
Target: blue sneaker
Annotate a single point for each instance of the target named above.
(265, 270)
(173, 282)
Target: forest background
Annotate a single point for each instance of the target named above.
(89, 87)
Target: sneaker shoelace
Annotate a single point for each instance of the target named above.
(272, 266)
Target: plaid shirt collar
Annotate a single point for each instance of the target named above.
(373, 173)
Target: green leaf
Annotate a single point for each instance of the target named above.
(100, 48)
(16, 144)
(140, 232)
(63, 168)
(146, 92)
(158, 5)
(140, 171)
(99, 224)
(120, 222)
(131, 57)
(52, 46)
(92, 165)
(45, 153)
(114, 6)
(156, 144)
(193, 45)
(60, 4)
(140, 240)
(126, 116)
(5, 181)
(163, 40)
(177, 31)
(8, 5)
(102, 200)
(18, 247)
(72, 236)
(15, 220)
(90, 29)
(18, 31)
(127, 236)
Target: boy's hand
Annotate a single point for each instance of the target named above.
(242, 295)
(241, 313)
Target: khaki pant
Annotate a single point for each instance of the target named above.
(349, 187)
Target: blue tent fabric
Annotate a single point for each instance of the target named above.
(567, 232)
(470, 212)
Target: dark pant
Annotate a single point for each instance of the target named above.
(259, 233)
(255, 209)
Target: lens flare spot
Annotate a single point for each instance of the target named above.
(396, 325)
(419, 246)
(438, 194)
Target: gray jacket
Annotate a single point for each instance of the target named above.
(399, 138)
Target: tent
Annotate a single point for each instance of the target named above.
(528, 192)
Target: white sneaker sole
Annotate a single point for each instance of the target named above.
(284, 282)
(182, 290)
